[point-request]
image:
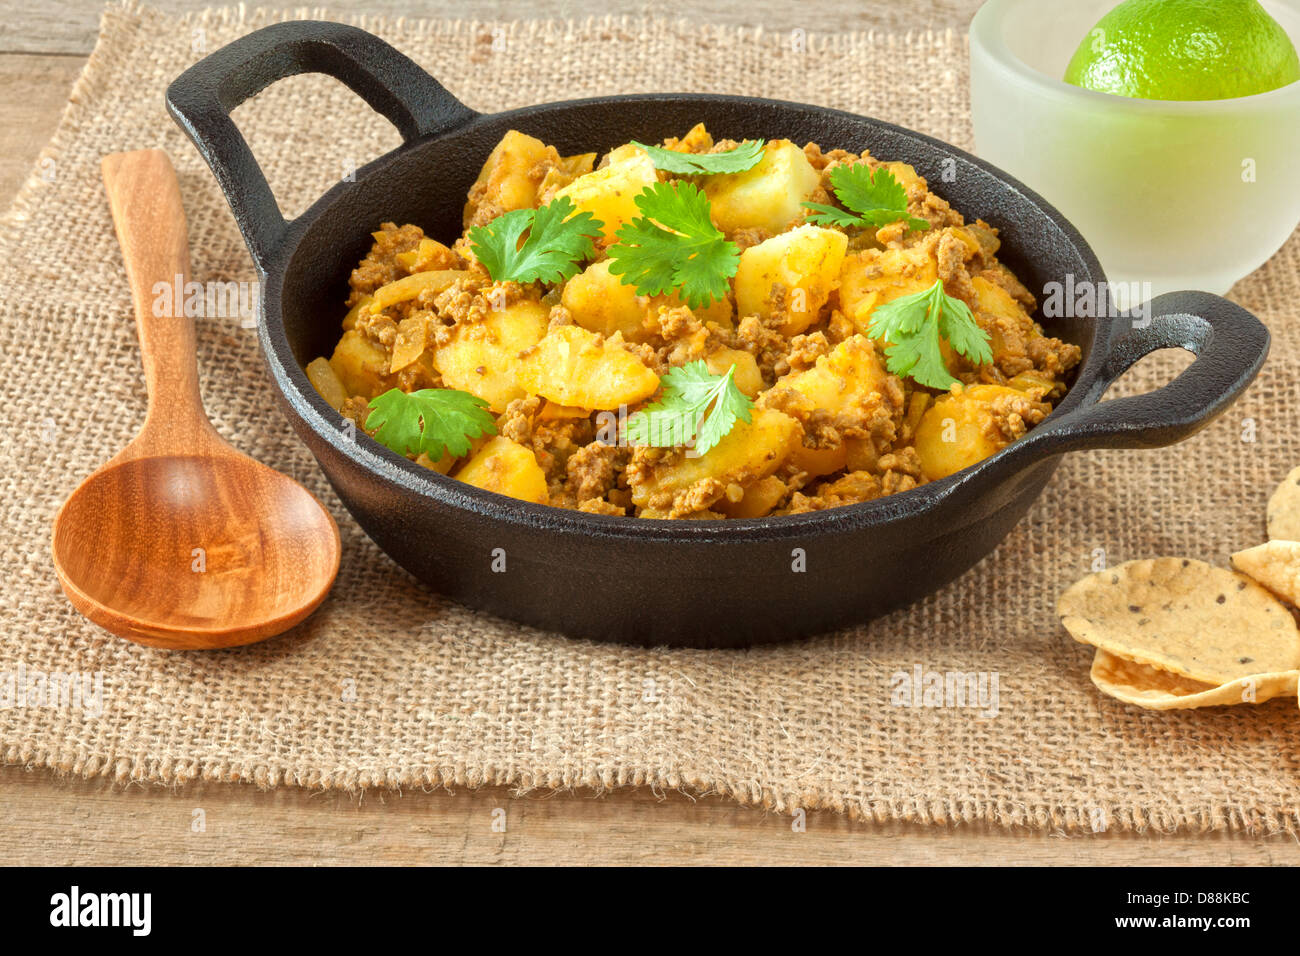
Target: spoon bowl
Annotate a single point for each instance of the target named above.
(180, 541)
(146, 549)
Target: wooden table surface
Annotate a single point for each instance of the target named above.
(48, 819)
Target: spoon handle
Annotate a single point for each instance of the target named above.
(146, 202)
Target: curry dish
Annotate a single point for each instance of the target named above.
(823, 412)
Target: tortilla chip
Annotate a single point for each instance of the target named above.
(1183, 616)
(1155, 689)
(1284, 509)
(1275, 565)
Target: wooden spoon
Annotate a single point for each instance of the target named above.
(180, 541)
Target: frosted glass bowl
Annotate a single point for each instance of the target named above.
(1177, 194)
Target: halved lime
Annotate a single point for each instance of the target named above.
(1185, 50)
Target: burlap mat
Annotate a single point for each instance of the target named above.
(388, 685)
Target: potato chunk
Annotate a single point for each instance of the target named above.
(442, 466)
(600, 302)
(609, 193)
(1011, 329)
(575, 367)
(747, 378)
(844, 381)
(360, 364)
(816, 462)
(718, 312)
(749, 452)
(963, 428)
(805, 262)
(905, 173)
(506, 181)
(875, 276)
(758, 499)
(766, 196)
(483, 358)
(507, 468)
(997, 301)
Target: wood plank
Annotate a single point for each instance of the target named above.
(69, 26)
(69, 821)
(33, 91)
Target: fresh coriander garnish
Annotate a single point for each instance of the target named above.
(557, 241)
(434, 421)
(914, 325)
(874, 198)
(695, 402)
(673, 244)
(743, 157)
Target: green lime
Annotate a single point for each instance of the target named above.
(1185, 50)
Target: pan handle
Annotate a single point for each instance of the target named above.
(201, 98)
(1230, 346)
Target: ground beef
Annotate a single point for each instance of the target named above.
(762, 338)
(380, 267)
(593, 470)
(850, 489)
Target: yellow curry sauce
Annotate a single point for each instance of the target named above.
(558, 363)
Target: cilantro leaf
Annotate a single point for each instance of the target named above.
(743, 157)
(434, 421)
(674, 244)
(875, 198)
(557, 241)
(920, 356)
(831, 215)
(695, 402)
(915, 325)
(958, 326)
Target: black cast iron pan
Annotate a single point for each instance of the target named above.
(701, 583)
